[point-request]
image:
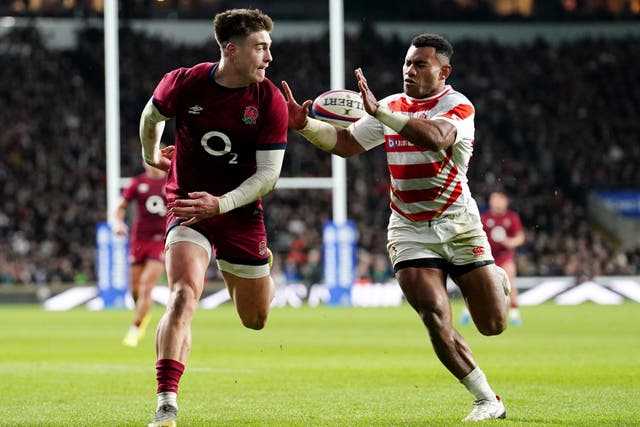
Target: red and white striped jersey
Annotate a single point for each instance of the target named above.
(425, 184)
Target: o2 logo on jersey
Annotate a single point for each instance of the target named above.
(155, 205)
(215, 137)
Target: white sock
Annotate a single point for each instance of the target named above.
(476, 383)
(167, 398)
(514, 313)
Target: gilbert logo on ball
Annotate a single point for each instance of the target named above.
(339, 107)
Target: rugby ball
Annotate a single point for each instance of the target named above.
(339, 107)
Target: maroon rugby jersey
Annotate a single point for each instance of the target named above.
(218, 129)
(148, 194)
(498, 228)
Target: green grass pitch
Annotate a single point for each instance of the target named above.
(566, 366)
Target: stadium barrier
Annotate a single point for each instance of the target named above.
(533, 291)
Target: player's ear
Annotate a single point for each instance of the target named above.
(445, 71)
(230, 49)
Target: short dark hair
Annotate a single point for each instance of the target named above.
(239, 23)
(439, 43)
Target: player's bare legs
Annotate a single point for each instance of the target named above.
(143, 279)
(186, 266)
(425, 290)
(132, 337)
(136, 271)
(149, 277)
(485, 297)
(252, 298)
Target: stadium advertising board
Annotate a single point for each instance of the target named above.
(624, 202)
(339, 247)
(112, 266)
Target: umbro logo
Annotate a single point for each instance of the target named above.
(195, 109)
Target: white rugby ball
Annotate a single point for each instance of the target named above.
(340, 107)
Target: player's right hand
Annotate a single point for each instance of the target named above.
(297, 113)
(200, 205)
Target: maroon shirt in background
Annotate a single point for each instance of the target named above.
(150, 203)
(498, 228)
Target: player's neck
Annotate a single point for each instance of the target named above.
(226, 75)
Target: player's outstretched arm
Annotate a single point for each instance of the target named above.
(323, 135)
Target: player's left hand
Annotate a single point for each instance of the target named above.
(200, 205)
(368, 98)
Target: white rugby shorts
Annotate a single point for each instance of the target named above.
(456, 239)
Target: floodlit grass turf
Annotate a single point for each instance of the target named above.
(573, 366)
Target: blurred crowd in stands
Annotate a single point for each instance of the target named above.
(411, 10)
(552, 122)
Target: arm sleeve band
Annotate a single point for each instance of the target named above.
(394, 120)
(321, 134)
(269, 163)
(151, 128)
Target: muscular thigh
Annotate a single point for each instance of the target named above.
(186, 265)
(482, 289)
(424, 288)
(249, 293)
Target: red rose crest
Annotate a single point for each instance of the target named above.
(250, 115)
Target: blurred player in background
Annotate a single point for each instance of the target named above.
(146, 244)
(231, 134)
(505, 233)
(434, 228)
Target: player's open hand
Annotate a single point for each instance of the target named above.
(368, 98)
(297, 113)
(200, 205)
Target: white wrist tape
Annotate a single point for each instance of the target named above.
(394, 120)
(321, 134)
(225, 204)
